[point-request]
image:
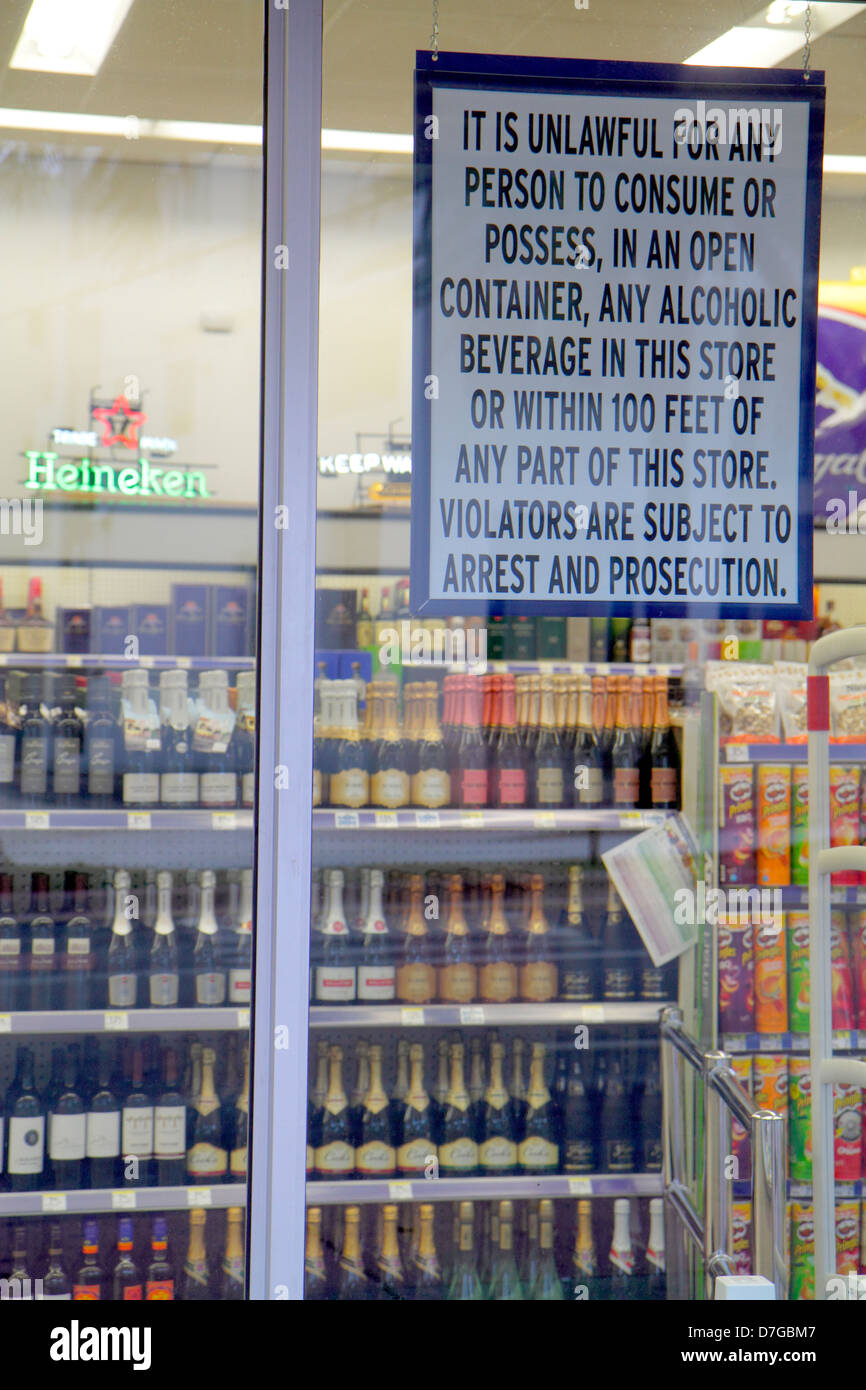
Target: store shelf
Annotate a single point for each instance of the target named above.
(486, 1189)
(793, 896)
(499, 822)
(788, 752)
(554, 666)
(61, 1021)
(481, 1015)
(844, 1041)
(87, 662)
(801, 1190)
(109, 1199)
(84, 819)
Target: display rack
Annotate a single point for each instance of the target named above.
(107, 1199)
(521, 1187)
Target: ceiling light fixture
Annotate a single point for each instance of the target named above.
(69, 36)
(771, 35)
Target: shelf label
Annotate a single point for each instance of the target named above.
(580, 1187)
(471, 1013)
(183, 663)
(385, 818)
(772, 1042)
(735, 1042)
(37, 820)
(737, 752)
(543, 819)
(244, 1018)
(472, 819)
(400, 1191)
(800, 1042)
(427, 818)
(5, 1023)
(846, 1189)
(138, 820)
(146, 663)
(223, 820)
(412, 1017)
(199, 1196)
(123, 1201)
(631, 818)
(842, 1039)
(70, 660)
(593, 1013)
(54, 1201)
(115, 1022)
(346, 820)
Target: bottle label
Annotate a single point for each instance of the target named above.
(350, 787)
(42, 946)
(652, 983)
(618, 983)
(66, 1137)
(578, 1156)
(593, 793)
(317, 786)
(414, 1157)
(535, 1152)
(472, 786)
(100, 767)
(623, 1260)
(103, 1134)
(206, 1161)
(121, 991)
(169, 1131)
(459, 1154)
(416, 983)
(578, 986)
(132, 1293)
(210, 987)
(67, 766)
(335, 1159)
(86, 1292)
(163, 990)
(457, 983)
(618, 1156)
(334, 983)
(656, 1260)
(34, 766)
(626, 786)
(663, 785)
(498, 982)
(375, 1158)
(390, 787)
(195, 1271)
(158, 1289)
(26, 1144)
(376, 982)
(11, 947)
(538, 981)
(141, 788)
(178, 788)
(248, 788)
(652, 1156)
(549, 786)
(78, 946)
(137, 1132)
(238, 1162)
(7, 757)
(498, 1153)
(219, 789)
(510, 786)
(240, 986)
(431, 788)
(35, 637)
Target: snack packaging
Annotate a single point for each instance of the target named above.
(774, 824)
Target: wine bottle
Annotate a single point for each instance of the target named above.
(364, 623)
(25, 1113)
(384, 621)
(207, 1159)
(7, 626)
(209, 977)
(352, 1283)
(169, 1126)
(508, 772)
(416, 973)
(240, 953)
(244, 737)
(35, 633)
(389, 772)
(539, 979)
(623, 1281)
(196, 1271)
(505, 1283)
(90, 1280)
(548, 783)
(335, 977)
(538, 1150)
(136, 1127)
(315, 1274)
(102, 1134)
(545, 1284)
(67, 1128)
(617, 952)
(587, 752)
(616, 1140)
(11, 982)
(76, 969)
(9, 724)
(376, 971)
(663, 754)
(497, 1148)
(625, 753)
(584, 1281)
(390, 1274)
(67, 743)
(349, 780)
(56, 1284)
(140, 750)
(159, 1280)
(163, 966)
(458, 1150)
(43, 947)
(470, 785)
(650, 1116)
(375, 1156)
(498, 977)
(578, 1138)
(122, 950)
(426, 1275)
(458, 977)
(35, 744)
(217, 757)
(464, 1285)
(579, 974)
(431, 783)
(519, 1103)
(335, 1155)
(100, 745)
(232, 1275)
(655, 1252)
(127, 1280)
(178, 778)
(417, 1151)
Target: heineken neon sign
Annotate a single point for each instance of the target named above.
(48, 472)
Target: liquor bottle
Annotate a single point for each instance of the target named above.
(208, 975)
(431, 783)
(335, 974)
(625, 753)
(519, 1102)
(545, 1284)
(507, 770)
(616, 1140)
(136, 1127)
(399, 1090)
(352, 1283)
(335, 1154)
(440, 1088)
(416, 973)
(7, 627)
(140, 751)
(126, 1283)
(650, 1116)
(123, 949)
(470, 785)
(76, 961)
(11, 982)
(458, 977)
(67, 743)
(67, 1128)
(375, 1156)
(240, 1126)
(217, 764)
(163, 967)
(43, 947)
(315, 1274)
(169, 1126)
(9, 724)
(100, 745)
(578, 1138)
(25, 1114)
(178, 777)
(159, 1280)
(645, 732)
(623, 1282)
(349, 780)
(232, 1276)
(606, 709)
(35, 633)
(359, 1090)
(617, 948)
(196, 1272)
(505, 1283)
(207, 1159)
(464, 1285)
(364, 623)
(416, 1153)
(102, 1133)
(376, 970)
(426, 1276)
(497, 1149)
(19, 1275)
(539, 979)
(538, 1151)
(584, 1282)
(384, 621)
(587, 752)
(35, 744)
(548, 784)
(458, 1150)
(90, 1281)
(578, 946)
(663, 754)
(56, 1284)
(389, 771)
(655, 1252)
(498, 977)
(240, 951)
(389, 1267)
(244, 737)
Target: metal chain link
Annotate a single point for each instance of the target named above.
(434, 37)
(807, 43)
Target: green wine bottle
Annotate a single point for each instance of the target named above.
(465, 1286)
(505, 1283)
(546, 1283)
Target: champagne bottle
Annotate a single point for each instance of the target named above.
(584, 1283)
(497, 1149)
(538, 1151)
(217, 758)
(623, 1281)
(352, 1281)
(625, 753)
(196, 1271)
(440, 1088)
(431, 783)
(655, 1252)
(389, 1267)
(645, 733)
(458, 1151)
(498, 978)
(505, 1283)
(240, 1127)
(471, 769)
(349, 781)
(465, 1285)
(335, 976)
(427, 1272)
(617, 952)
(389, 780)
(663, 754)
(417, 1150)
(159, 1281)
(578, 1142)
(539, 981)
(335, 1155)
(399, 1090)
(244, 737)
(616, 1140)
(56, 1284)
(579, 979)
(376, 970)
(241, 950)
(650, 1116)
(458, 977)
(315, 1274)
(209, 976)
(140, 750)
(232, 1270)
(126, 1282)
(548, 788)
(375, 1156)
(545, 1285)
(179, 779)
(508, 773)
(518, 1090)
(607, 710)
(122, 950)
(163, 968)
(416, 974)
(587, 752)
(206, 1159)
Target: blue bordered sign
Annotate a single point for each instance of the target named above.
(615, 310)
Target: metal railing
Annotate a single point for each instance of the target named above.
(723, 1097)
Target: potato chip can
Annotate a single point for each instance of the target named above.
(771, 985)
(741, 1139)
(741, 1224)
(857, 922)
(847, 1131)
(844, 814)
(800, 824)
(799, 1120)
(802, 1251)
(770, 1084)
(847, 1236)
(774, 824)
(840, 973)
(737, 825)
(798, 972)
(736, 977)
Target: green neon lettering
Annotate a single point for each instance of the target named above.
(191, 480)
(46, 468)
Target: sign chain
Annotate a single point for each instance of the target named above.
(807, 43)
(434, 37)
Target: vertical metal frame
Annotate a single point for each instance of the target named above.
(293, 118)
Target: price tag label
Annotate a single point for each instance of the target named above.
(735, 1042)
(593, 1013)
(845, 1189)
(199, 1196)
(243, 1018)
(801, 1189)
(580, 1187)
(412, 1018)
(183, 663)
(37, 820)
(346, 820)
(146, 663)
(472, 819)
(631, 818)
(5, 1023)
(841, 1040)
(54, 1201)
(116, 1022)
(771, 1042)
(385, 818)
(123, 1201)
(427, 818)
(737, 752)
(800, 1043)
(471, 1013)
(544, 818)
(70, 660)
(138, 820)
(400, 1191)
(4, 660)
(223, 820)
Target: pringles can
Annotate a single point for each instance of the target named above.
(774, 824)
(799, 1119)
(800, 825)
(844, 814)
(741, 1139)
(737, 825)
(847, 1236)
(741, 1223)
(802, 1251)
(771, 985)
(798, 972)
(847, 1131)
(736, 976)
(840, 973)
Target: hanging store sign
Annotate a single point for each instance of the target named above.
(615, 308)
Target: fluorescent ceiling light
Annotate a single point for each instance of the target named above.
(771, 35)
(844, 164)
(70, 36)
(367, 141)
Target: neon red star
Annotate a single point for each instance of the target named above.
(120, 423)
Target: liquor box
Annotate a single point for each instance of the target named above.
(110, 629)
(520, 645)
(230, 621)
(550, 638)
(189, 619)
(150, 626)
(335, 618)
(497, 636)
(73, 629)
(577, 639)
